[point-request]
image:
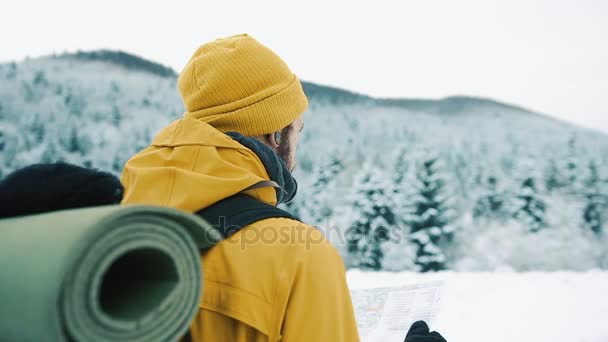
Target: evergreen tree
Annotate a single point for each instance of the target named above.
(373, 220)
(554, 178)
(327, 172)
(593, 213)
(74, 141)
(593, 179)
(572, 167)
(595, 200)
(116, 116)
(491, 204)
(118, 164)
(11, 73)
(38, 130)
(74, 103)
(564, 174)
(50, 154)
(400, 175)
(320, 206)
(401, 167)
(40, 79)
(29, 93)
(526, 203)
(71, 141)
(528, 206)
(372, 256)
(429, 215)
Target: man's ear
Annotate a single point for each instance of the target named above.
(274, 139)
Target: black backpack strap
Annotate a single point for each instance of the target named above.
(230, 215)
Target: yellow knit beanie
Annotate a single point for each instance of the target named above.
(237, 84)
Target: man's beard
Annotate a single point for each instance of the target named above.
(287, 154)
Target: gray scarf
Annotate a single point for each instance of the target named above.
(275, 167)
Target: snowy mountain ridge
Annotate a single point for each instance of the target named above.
(445, 105)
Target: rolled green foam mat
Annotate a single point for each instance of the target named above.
(101, 274)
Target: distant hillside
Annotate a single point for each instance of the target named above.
(124, 59)
(448, 105)
(334, 95)
(452, 104)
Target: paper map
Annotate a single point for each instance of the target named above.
(385, 314)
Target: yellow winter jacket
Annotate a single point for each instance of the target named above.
(276, 279)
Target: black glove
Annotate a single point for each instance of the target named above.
(419, 332)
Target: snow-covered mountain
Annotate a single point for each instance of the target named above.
(470, 183)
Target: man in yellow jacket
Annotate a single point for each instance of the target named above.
(276, 279)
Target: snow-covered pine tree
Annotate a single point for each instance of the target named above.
(329, 171)
(373, 218)
(372, 256)
(529, 207)
(554, 178)
(11, 73)
(492, 203)
(595, 200)
(526, 203)
(565, 173)
(72, 143)
(319, 206)
(429, 214)
(51, 153)
(572, 167)
(116, 116)
(593, 177)
(401, 167)
(593, 212)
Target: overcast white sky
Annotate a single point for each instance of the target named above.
(547, 55)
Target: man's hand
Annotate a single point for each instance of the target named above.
(419, 332)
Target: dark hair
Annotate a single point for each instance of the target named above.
(42, 188)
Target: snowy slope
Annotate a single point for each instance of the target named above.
(497, 307)
(97, 109)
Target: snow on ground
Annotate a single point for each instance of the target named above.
(509, 306)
